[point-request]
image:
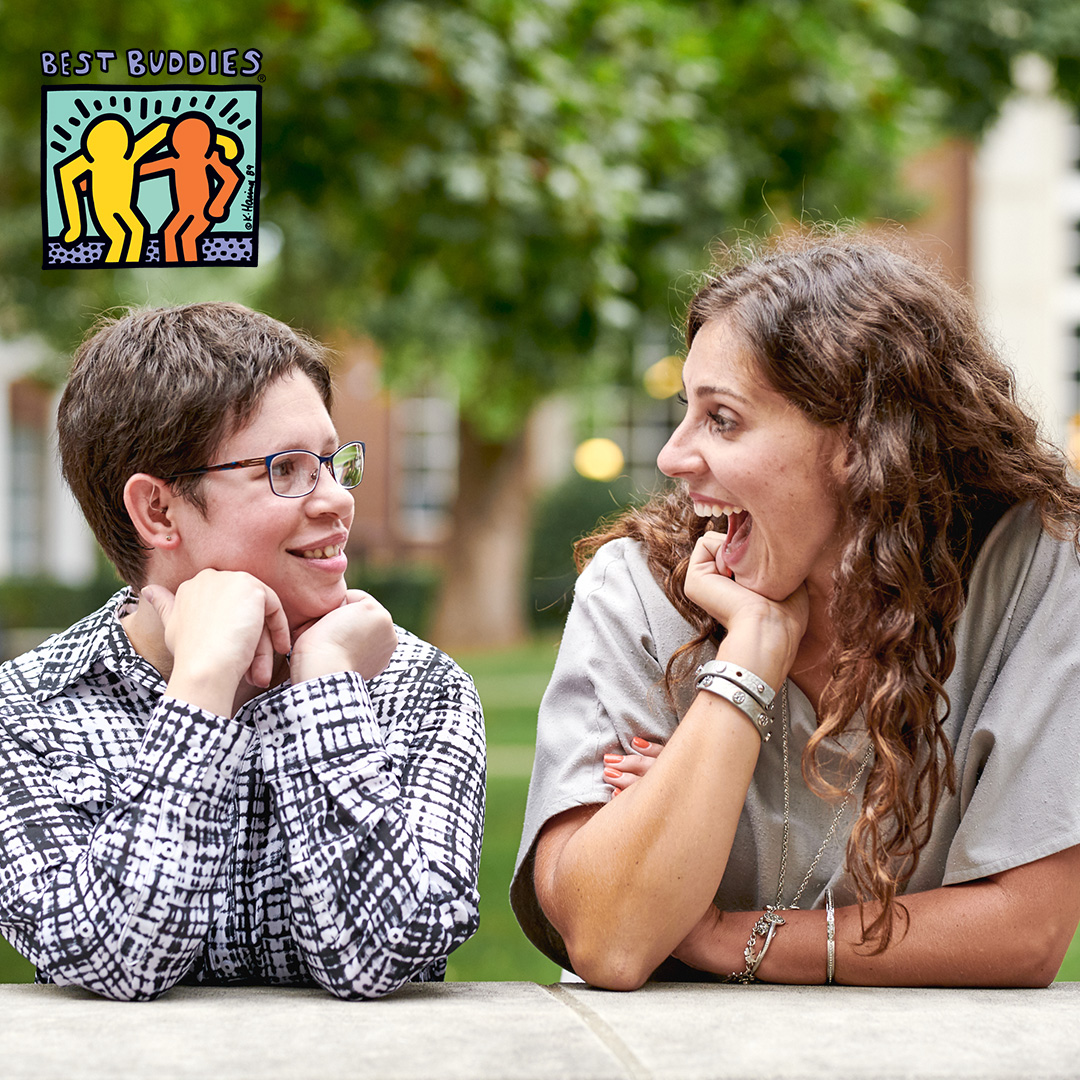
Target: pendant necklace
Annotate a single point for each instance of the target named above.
(771, 919)
(784, 722)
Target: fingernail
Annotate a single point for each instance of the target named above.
(613, 759)
(640, 743)
(612, 772)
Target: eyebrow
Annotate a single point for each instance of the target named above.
(719, 391)
(328, 446)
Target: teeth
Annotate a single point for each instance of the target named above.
(715, 509)
(323, 552)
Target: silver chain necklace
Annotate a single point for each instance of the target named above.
(784, 722)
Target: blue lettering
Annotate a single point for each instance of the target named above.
(140, 62)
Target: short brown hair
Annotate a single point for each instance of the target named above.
(157, 390)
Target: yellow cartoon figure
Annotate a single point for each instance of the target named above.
(104, 171)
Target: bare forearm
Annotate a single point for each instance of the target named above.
(1008, 930)
(641, 869)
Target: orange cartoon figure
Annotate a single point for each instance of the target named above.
(199, 155)
(104, 171)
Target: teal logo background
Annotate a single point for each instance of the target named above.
(167, 176)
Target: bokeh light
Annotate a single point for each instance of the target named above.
(599, 459)
(1072, 441)
(664, 378)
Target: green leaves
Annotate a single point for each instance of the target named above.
(503, 191)
(512, 185)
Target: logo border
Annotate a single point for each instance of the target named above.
(256, 180)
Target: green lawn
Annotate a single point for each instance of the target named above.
(510, 684)
(13, 968)
(1070, 967)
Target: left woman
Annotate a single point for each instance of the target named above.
(238, 770)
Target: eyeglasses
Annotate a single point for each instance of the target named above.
(294, 473)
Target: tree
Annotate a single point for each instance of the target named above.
(502, 192)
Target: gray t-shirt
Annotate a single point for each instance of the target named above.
(1014, 724)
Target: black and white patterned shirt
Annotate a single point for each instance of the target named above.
(329, 833)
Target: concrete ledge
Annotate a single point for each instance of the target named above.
(521, 1031)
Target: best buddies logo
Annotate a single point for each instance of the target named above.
(150, 175)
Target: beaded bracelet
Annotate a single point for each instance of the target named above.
(767, 924)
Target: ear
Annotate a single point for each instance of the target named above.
(838, 452)
(149, 503)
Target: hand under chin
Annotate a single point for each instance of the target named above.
(357, 636)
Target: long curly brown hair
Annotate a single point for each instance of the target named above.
(866, 337)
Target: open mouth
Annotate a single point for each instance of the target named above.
(739, 527)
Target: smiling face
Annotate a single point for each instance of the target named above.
(745, 450)
(295, 546)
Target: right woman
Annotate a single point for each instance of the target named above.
(875, 779)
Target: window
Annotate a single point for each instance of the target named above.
(427, 429)
(29, 461)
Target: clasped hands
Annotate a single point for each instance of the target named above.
(224, 629)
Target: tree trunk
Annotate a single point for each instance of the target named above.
(482, 600)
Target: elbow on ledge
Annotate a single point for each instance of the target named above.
(611, 968)
(1037, 956)
(1035, 971)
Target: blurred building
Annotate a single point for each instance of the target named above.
(42, 532)
(1005, 217)
(1024, 249)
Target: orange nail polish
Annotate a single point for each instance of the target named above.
(641, 743)
(613, 759)
(612, 772)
